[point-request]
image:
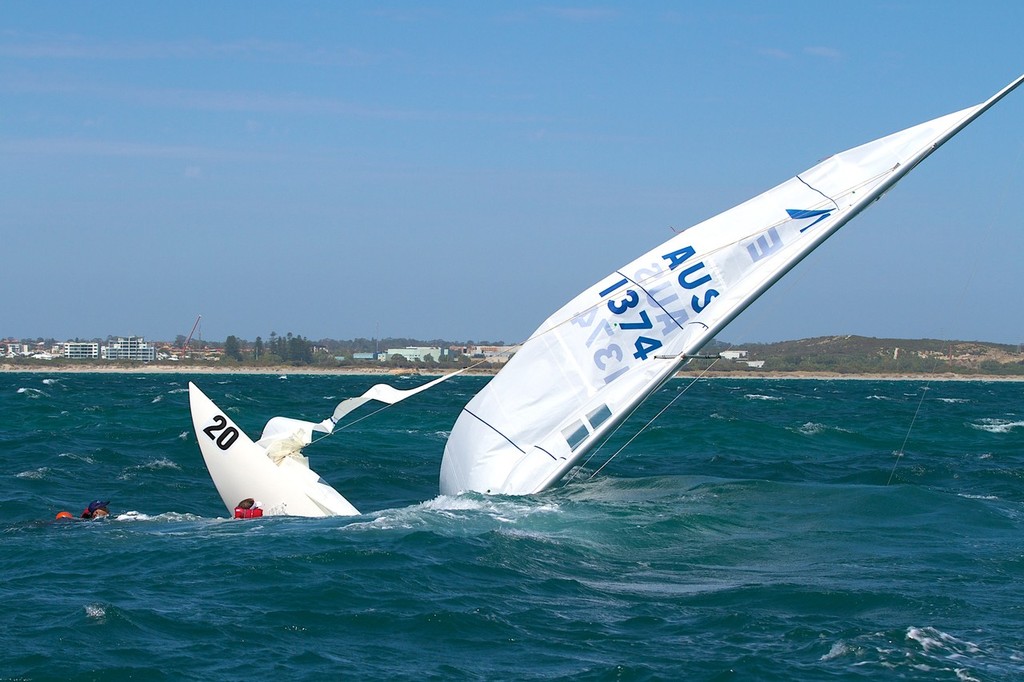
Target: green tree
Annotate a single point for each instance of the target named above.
(300, 350)
(232, 348)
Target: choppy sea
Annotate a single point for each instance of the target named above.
(758, 530)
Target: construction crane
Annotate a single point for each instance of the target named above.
(184, 347)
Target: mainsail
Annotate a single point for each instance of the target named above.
(590, 364)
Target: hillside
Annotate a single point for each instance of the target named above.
(865, 355)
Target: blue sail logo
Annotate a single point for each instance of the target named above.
(800, 214)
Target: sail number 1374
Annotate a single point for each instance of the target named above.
(644, 345)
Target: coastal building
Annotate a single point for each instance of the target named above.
(734, 354)
(499, 354)
(81, 350)
(13, 349)
(129, 348)
(415, 353)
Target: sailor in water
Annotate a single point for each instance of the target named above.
(97, 509)
(248, 509)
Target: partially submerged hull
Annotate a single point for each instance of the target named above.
(242, 469)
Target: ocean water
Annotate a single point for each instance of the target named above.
(758, 530)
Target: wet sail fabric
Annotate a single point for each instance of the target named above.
(285, 436)
(384, 394)
(590, 364)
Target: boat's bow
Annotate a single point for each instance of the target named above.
(241, 469)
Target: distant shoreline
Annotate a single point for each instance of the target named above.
(395, 372)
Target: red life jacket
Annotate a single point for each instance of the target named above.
(252, 513)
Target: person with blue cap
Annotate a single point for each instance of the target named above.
(97, 509)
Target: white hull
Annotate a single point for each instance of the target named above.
(241, 469)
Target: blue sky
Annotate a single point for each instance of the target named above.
(460, 170)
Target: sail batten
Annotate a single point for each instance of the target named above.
(605, 351)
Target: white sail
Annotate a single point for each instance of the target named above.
(593, 361)
(283, 436)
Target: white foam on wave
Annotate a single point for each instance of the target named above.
(133, 515)
(151, 465)
(455, 508)
(933, 640)
(80, 458)
(838, 650)
(938, 654)
(878, 397)
(33, 393)
(50, 382)
(183, 435)
(96, 611)
(157, 399)
(162, 463)
(814, 428)
(34, 474)
(760, 396)
(997, 425)
(953, 400)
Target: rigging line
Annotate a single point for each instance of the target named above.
(338, 428)
(351, 423)
(899, 455)
(815, 189)
(655, 418)
(971, 273)
(568, 479)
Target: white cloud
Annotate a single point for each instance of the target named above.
(39, 47)
(774, 53)
(582, 14)
(824, 52)
(96, 147)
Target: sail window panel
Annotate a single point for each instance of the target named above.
(575, 434)
(598, 416)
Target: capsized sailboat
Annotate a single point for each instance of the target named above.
(590, 364)
(273, 471)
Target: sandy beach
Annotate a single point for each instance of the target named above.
(390, 371)
(193, 369)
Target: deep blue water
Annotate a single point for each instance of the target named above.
(752, 533)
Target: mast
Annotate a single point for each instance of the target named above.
(184, 347)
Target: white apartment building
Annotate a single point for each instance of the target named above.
(417, 354)
(129, 348)
(81, 350)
